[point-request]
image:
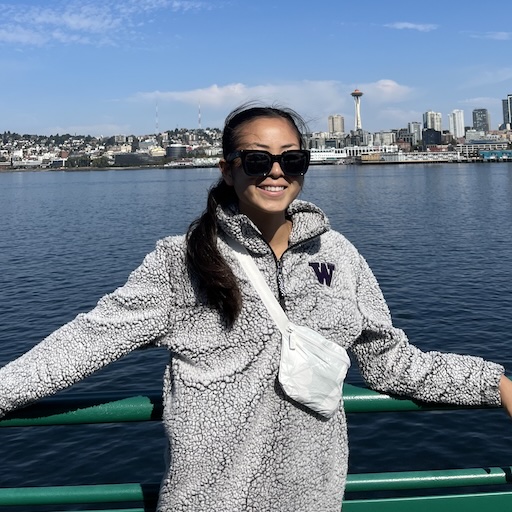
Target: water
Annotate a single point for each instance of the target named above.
(438, 238)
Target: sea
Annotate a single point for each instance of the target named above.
(437, 236)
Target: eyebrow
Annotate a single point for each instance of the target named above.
(264, 146)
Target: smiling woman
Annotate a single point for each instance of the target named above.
(265, 198)
(237, 441)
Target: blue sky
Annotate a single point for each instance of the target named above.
(131, 66)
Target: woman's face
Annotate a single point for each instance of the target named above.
(263, 197)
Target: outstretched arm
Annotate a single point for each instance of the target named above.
(389, 363)
(131, 317)
(506, 394)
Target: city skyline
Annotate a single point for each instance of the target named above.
(140, 66)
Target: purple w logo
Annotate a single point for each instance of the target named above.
(324, 272)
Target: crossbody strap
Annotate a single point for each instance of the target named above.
(260, 285)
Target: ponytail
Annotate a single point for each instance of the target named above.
(204, 260)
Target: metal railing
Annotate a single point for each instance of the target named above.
(101, 408)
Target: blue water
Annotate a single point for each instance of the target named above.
(438, 237)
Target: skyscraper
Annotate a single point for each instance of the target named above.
(433, 120)
(414, 129)
(507, 110)
(357, 100)
(336, 124)
(481, 120)
(456, 120)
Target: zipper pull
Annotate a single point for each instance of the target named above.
(280, 283)
(291, 338)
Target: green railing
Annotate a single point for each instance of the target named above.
(88, 409)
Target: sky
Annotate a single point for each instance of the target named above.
(136, 67)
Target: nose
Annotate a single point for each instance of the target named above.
(276, 171)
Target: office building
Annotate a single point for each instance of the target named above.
(481, 120)
(336, 124)
(433, 121)
(456, 121)
(507, 111)
(414, 129)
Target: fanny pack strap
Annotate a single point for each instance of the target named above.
(260, 285)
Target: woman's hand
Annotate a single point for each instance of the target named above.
(506, 394)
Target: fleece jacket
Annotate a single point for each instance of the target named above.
(236, 442)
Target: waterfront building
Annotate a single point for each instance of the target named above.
(347, 154)
(476, 146)
(384, 138)
(410, 158)
(431, 137)
(481, 121)
(157, 151)
(175, 151)
(456, 121)
(415, 130)
(359, 138)
(472, 135)
(357, 101)
(336, 124)
(507, 112)
(433, 121)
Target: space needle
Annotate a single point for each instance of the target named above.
(357, 100)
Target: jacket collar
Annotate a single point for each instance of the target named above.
(308, 221)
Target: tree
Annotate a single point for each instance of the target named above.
(100, 162)
(78, 161)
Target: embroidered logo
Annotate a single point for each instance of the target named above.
(323, 271)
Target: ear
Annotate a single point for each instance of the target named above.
(225, 170)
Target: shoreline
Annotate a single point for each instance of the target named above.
(102, 169)
(173, 167)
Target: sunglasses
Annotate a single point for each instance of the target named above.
(257, 162)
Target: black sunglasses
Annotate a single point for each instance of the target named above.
(257, 162)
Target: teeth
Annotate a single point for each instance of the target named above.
(273, 189)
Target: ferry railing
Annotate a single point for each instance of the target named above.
(102, 408)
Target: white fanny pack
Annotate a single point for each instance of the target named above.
(312, 368)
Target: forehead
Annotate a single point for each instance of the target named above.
(268, 131)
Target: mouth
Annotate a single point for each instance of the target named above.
(272, 188)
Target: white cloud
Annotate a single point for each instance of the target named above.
(405, 25)
(81, 22)
(19, 35)
(385, 91)
(222, 96)
(315, 100)
(481, 102)
(489, 77)
(496, 36)
(397, 118)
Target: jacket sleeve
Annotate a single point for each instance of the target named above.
(389, 363)
(131, 317)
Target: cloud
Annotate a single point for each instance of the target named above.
(19, 35)
(396, 118)
(81, 22)
(489, 77)
(385, 91)
(316, 100)
(481, 102)
(496, 36)
(222, 96)
(404, 25)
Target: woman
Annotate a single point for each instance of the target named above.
(236, 441)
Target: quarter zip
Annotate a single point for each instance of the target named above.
(279, 268)
(280, 281)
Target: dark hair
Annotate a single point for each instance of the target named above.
(204, 260)
(248, 112)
